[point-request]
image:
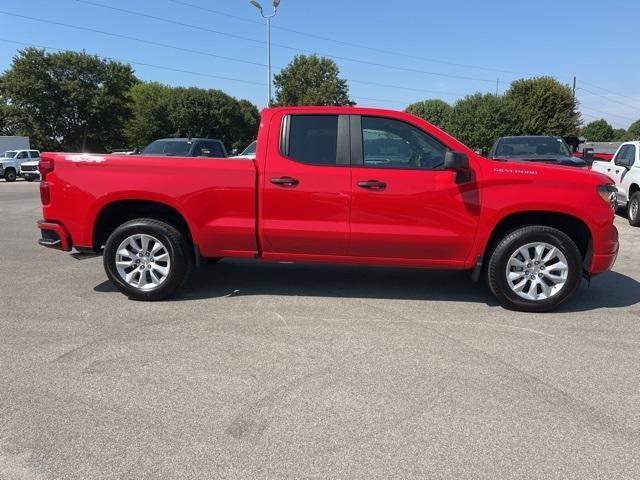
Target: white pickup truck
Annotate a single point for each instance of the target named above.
(624, 169)
(11, 162)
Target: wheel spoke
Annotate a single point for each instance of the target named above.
(161, 258)
(513, 276)
(124, 263)
(524, 251)
(539, 251)
(154, 277)
(546, 289)
(162, 270)
(144, 243)
(550, 255)
(125, 253)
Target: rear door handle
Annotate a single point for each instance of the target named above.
(285, 181)
(373, 185)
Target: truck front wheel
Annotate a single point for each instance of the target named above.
(147, 259)
(534, 269)
(634, 210)
(10, 175)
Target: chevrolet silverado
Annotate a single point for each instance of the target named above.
(342, 185)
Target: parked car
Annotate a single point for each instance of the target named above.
(545, 149)
(186, 147)
(624, 170)
(12, 160)
(327, 190)
(249, 152)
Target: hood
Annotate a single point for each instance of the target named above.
(548, 159)
(554, 171)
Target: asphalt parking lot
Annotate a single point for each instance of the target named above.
(294, 371)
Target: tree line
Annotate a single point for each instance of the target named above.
(71, 101)
(78, 102)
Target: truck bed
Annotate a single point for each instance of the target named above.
(216, 196)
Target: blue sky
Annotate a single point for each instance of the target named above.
(415, 47)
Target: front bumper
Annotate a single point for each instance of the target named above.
(54, 235)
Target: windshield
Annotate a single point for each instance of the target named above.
(531, 147)
(10, 153)
(168, 147)
(250, 150)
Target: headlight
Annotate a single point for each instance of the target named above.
(608, 193)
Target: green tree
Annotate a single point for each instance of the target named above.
(478, 120)
(633, 133)
(618, 134)
(7, 126)
(149, 114)
(68, 101)
(246, 126)
(436, 112)
(311, 80)
(598, 131)
(544, 107)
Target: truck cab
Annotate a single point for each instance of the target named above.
(624, 170)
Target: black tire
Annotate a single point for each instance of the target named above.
(509, 244)
(178, 249)
(213, 260)
(10, 175)
(29, 179)
(633, 210)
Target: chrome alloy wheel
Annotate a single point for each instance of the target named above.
(143, 261)
(537, 271)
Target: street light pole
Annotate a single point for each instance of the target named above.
(276, 4)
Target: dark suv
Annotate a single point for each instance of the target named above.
(545, 149)
(186, 147)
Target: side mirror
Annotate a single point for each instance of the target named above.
(456, 161)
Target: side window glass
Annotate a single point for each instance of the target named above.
(389, 143)
(313, 139)
(209, 149)
(620, 157)
(35, 155)
(631, 156)
(22, 155)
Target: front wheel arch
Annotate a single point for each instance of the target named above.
(576, 229)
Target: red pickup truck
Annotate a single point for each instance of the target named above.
(342, 185)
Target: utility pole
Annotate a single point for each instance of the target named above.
(497, 86)
(276, 4)
(574, 88)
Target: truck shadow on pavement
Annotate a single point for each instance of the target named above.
(236, 278)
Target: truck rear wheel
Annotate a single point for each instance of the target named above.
(634, 210)
(534, 269)
(10, 175)
(147, 259)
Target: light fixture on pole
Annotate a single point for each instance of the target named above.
(276, 4)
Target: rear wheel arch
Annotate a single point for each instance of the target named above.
(116, 213)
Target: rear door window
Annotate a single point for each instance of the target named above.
(313, 139)
(34, 154)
